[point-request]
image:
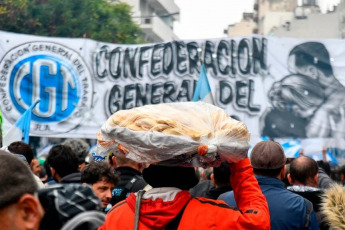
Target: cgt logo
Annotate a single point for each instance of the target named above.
(52, 73)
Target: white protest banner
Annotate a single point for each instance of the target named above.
(280, 87)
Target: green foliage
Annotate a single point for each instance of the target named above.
(95, 19)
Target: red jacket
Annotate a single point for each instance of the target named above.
(200, 213)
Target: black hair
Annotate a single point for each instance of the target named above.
(97, 171)
(63, 160)
(79, 146)
(16, 179)
(221, 174)
(325, 166)
(164, 176)
(312, 53)
(303, 169)
(20, 147)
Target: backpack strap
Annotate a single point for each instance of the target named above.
(309, 210)
(131, 182)
(137, 208)
(127, 188)
(174, 223)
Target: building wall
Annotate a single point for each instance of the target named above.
(274, 20)
(153, 17)
(270, 10)
(242, 28)
(319, 26)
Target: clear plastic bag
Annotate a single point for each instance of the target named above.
(191, 134)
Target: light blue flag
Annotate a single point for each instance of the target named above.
(203, 90)
(21, 129)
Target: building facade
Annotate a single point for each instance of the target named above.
(285, 18)
(156, 18)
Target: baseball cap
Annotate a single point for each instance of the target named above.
(267, 155)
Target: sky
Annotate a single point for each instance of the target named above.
(202, 19)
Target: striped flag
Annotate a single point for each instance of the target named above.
(203, 90)
(21, 129)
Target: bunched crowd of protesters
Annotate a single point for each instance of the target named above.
(70, 190)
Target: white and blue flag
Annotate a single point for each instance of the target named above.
(203, 90)
(21, 129)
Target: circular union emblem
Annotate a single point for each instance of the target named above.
(53, 73)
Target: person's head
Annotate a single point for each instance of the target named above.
(268, 159)
(297, 93)
(19, 147)
(303, 171)
(63, 161)
(125, 162)
(325, 166)
(19, 206)
(80, 148)
(311, 59)
(35, 166)
(206, 173)
(221, 175)
(102, 178)
(341, 173)
(165, 176)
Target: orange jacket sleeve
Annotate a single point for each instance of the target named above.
(248, 196)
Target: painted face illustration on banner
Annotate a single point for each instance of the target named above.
(52, 73)
(297, 93)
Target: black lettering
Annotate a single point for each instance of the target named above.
(259, 54)
(140, 98)
(226, 93)
(129, 62)
(168, 58)
(209, 61)
(156, 58)
(193, 54)
(183, 94)
(241, 87)
(143, 59)
(181, 58)
(169, 91)
(233, 55)
(114, 100)
(101, 56)
(115, 63)
(128, 96)
(222, 53)
(156, 93)
(243, 56)
(251, 107)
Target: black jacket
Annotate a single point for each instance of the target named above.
(314, 195)
(131, 180)
(71, 178)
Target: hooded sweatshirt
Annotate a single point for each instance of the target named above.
(161, 205)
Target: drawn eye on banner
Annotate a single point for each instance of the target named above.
(51, 72)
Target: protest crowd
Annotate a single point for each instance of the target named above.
(152, 171)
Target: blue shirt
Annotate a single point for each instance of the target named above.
(287, 209)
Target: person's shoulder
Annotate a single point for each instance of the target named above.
(292, 199)
(226, 196)
(117, 206)
(209, 203)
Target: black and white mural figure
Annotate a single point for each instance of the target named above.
(309, 102)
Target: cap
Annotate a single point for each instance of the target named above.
(267, 155)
